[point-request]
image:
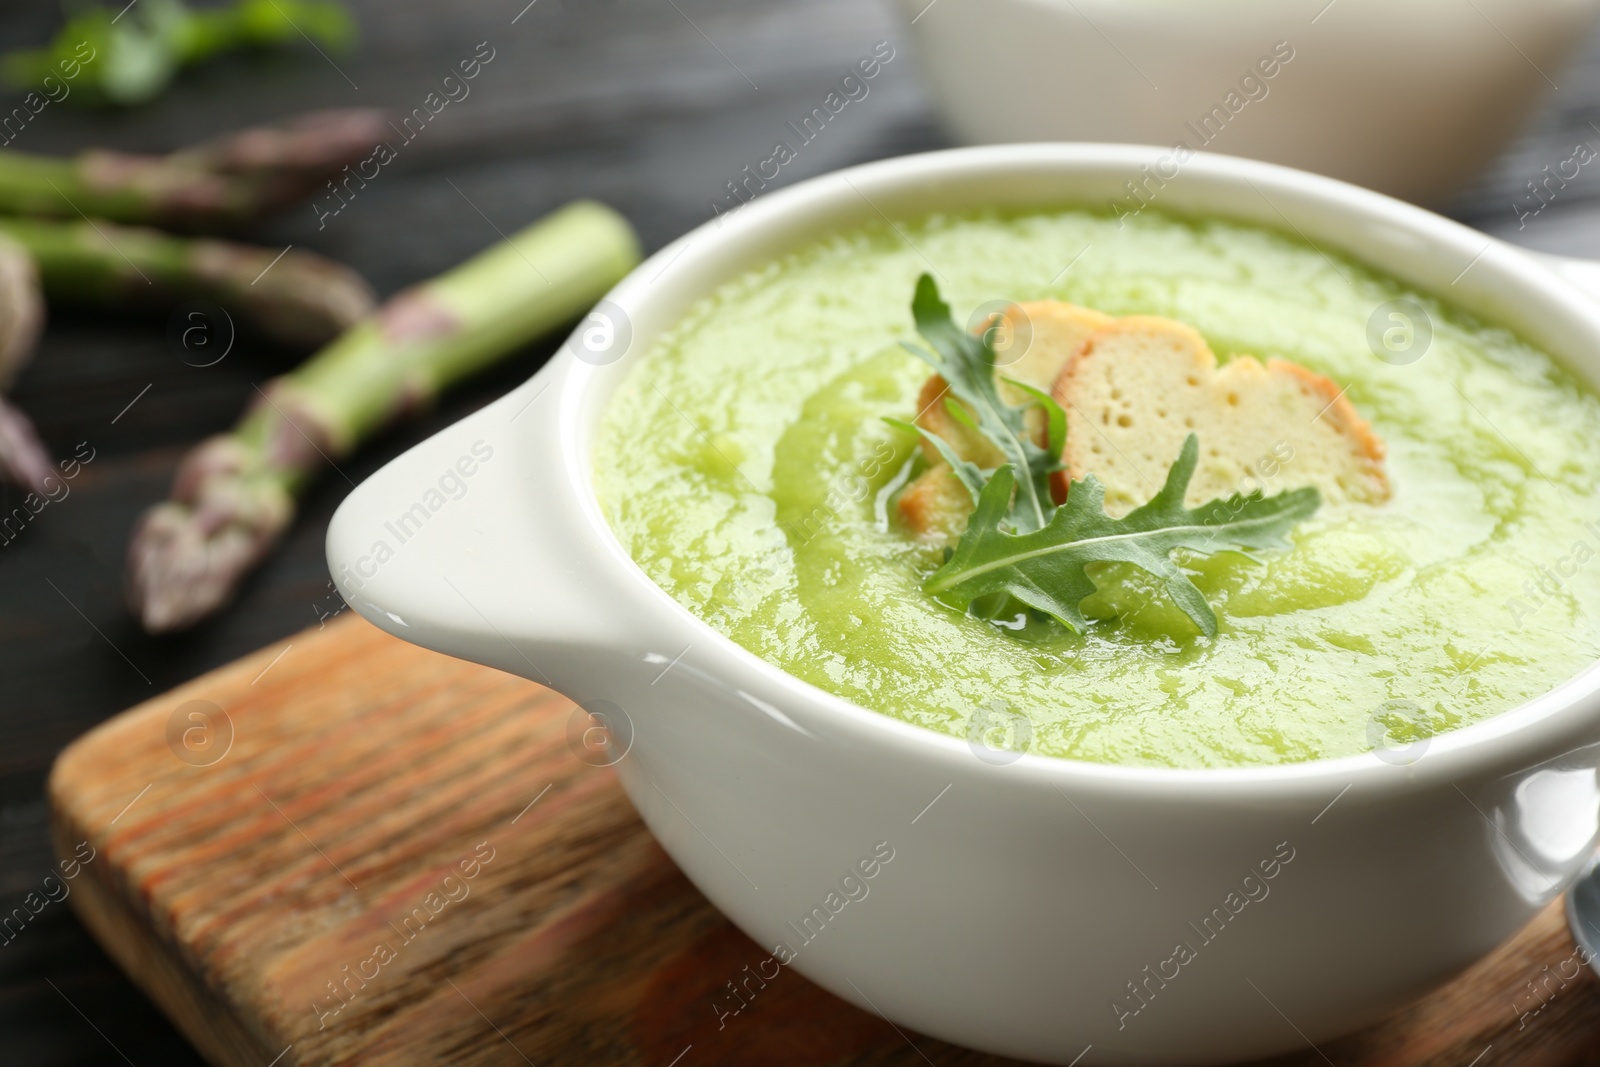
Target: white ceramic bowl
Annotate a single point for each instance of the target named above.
(1026, 897)
(1410, 98)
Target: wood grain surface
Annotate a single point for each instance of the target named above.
(640, 103)
(347, 850)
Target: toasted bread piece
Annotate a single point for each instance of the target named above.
(1140, 385)
(936, 505)
(1036, 341)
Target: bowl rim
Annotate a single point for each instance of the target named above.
(1498, 744)
(1188, 14)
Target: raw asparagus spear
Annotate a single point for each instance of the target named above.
(233, 496)
(220, 183)
(21, 309)
(300, 299)
(23, 459)
(138, 50)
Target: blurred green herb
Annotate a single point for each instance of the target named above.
(137, 50)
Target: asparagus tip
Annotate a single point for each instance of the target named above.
(189, 554)
(21, 308)
(23, 457)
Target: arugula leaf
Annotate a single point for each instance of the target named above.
(1044, 568)
(966, 362)
(1018, 544)
(1056, 434)
(967, 472)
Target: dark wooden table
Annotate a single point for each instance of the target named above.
(649, 105)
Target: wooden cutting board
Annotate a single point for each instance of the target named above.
(346, 850)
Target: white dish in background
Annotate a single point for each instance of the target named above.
(1408, 97)
(1021, 900)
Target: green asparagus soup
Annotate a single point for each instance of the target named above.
(746, 465)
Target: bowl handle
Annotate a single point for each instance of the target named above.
(473, 543)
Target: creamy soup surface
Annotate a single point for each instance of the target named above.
(745, 464)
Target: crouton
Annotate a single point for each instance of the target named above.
(1035, 341)
(1133, 389)
(935, 505)
(1139, 386)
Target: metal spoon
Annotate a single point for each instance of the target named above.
(1583, 913)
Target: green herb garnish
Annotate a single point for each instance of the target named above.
(966, 362)
(1044, 569)
(1019, 544)
(131, 53)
